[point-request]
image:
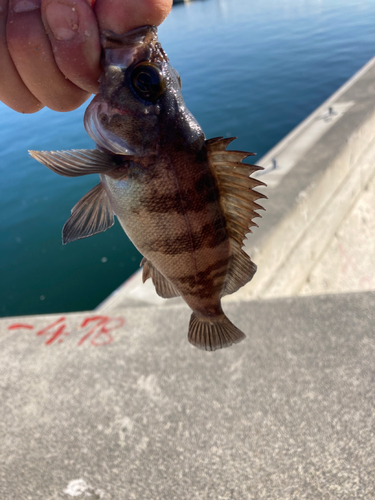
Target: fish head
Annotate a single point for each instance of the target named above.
(139, 101)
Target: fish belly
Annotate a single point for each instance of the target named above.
(173, 217)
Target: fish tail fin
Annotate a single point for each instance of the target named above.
(211, 333)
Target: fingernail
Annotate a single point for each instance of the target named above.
(62, 20)
(24, 5)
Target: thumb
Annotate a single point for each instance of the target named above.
(120, 16)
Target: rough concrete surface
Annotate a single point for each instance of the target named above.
(93, 408)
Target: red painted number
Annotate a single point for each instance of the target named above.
(99, 328)
(100, 331)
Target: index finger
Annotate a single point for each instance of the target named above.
(73, 33)
(13, 91)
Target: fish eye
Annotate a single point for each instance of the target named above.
(147, 81)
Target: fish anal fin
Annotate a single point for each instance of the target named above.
(76, 162)
(164, 288)
(241, 270)
(146, 269)
(91, 215)
(211, 333)
(142, 263)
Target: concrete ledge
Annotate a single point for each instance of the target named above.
(309, 201)
(348, 263)
(288, 413)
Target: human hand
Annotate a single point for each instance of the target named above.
(50, 49)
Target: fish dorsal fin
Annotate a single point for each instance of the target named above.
(76, 162)
(91, 215)
(237, 198)
(163, 287)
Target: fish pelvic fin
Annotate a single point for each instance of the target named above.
(211, 333)
(164, 288)
(76, 162)
(91, 215)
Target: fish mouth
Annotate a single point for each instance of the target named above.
(121, 50)
(104, 138)
(133, 38)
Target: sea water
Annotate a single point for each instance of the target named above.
(249, 69)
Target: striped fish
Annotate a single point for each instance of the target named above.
(185, 202)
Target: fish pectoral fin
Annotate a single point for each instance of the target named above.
(75, 162)
(241, 270)
(91, 215)
(164, 288)
(211, 333)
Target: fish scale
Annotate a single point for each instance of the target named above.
(185, 202)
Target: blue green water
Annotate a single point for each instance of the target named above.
(249, 69)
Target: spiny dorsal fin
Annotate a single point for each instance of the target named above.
(75, 162)
(237, 197)
(163, 287)
(91, 215)
(236, 186)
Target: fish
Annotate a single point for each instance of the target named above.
(185, 202)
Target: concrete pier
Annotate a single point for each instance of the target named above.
(286, 414)
(115, 404)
